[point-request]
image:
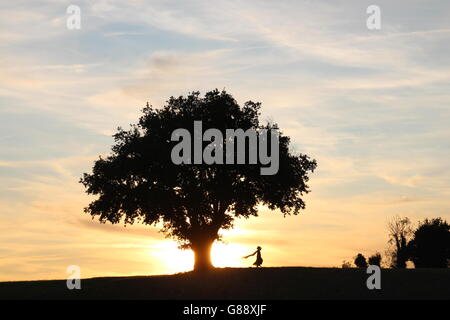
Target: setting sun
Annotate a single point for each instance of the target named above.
(223, 255)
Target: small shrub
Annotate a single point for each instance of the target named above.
(375, 259)
(346, 264)
(360, 261)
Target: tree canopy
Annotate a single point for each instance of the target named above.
(430, 245)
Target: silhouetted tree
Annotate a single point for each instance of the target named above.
(399, 233)
(375, 259)
(360, 261)
(192, 202)
(430, 246)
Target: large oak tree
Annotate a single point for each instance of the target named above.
(138, 182)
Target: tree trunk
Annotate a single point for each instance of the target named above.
(202, 254)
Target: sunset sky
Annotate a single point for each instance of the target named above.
(371, 106)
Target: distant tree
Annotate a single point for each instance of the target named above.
(346, 264)
(430, 246)
(375, 259)
(399, 234)
(138, 182)
(360, 261)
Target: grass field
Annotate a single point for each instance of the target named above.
(240, 283)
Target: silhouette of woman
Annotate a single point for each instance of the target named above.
(259, 259)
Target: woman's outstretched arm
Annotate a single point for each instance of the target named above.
(250, 255)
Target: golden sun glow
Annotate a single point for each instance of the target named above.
(174, 260)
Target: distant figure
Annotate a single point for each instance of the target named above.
(259, 259)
